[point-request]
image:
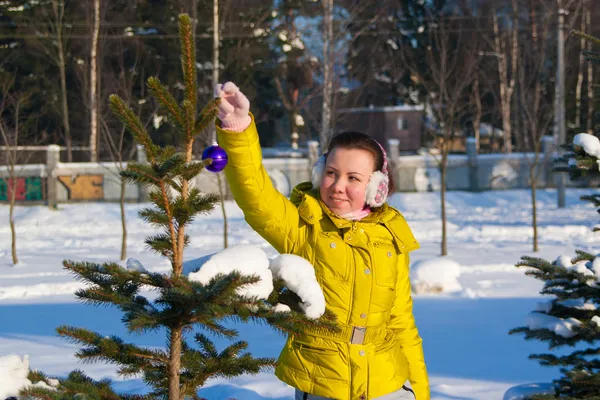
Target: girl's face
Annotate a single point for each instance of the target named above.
(345, 179)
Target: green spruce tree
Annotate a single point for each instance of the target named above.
(176, 372)
(572, 317)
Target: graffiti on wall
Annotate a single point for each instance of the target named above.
(83, 187)
(26, 189)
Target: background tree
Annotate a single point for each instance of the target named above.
(49, 35)
(451, 62)
(373, 76)
(15, 129)
(570, 317)
(328, 57)
(10, 141)
(94, 84)
(128, 75)
(295, 74)
(505, 50)
(536, 87)
(177, 371)
(584, 106)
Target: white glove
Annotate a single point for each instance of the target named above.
(234, 107)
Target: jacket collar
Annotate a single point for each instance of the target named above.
(312, 209)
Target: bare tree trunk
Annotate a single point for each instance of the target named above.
(507, 84)
(225, 225)
(94, 85)
(523, 126)
(123, 221)
(514, 58)
(328, 59)
(533, 181)
(59, 12)
(443, 171)
(295, 135)
(11, 217)
(478, 112)
(65, 105)
(590, 76)
(11, 183)
(579, 86)
(215, 77)
(538, 111)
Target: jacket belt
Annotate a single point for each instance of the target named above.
(351, 334)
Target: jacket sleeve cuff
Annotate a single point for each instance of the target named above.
(242, 140)
(237, 124)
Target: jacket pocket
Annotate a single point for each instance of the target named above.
(385, 266)
(322, 362)
(307, 347)
(331, 256)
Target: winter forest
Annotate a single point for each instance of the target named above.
(128, 270)
(377, 55)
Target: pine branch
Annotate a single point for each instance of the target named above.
(37, 376)
(154, 217)
(207, 116)
(112, 349)
(169, 166)
(77, 385)
(140, 173)
(228, 363)
(166, 99)
(202, 203)
(577, 163)
(133, 125)
(166, 153)
(207, 347)
(217, 329)
(108, 274)
(185, 210)
(583, 255)
(140, 315)
(161, 244)
(189, 171)
(554, 340)
(188, 63)
(156, 197)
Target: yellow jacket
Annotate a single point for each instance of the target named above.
(362, 267)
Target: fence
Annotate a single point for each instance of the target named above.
(56, 182)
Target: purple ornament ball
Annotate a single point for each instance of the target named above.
(218, 156)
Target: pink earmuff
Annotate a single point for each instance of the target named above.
(377, 189)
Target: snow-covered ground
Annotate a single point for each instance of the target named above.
(465, 332)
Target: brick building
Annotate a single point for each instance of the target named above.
(383, 123)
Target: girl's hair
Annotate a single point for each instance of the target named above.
(362, 141)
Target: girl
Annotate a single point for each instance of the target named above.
(359, 247)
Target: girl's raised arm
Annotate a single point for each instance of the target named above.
(267, 211)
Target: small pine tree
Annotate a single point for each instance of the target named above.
(176, 372)
(571, 318)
